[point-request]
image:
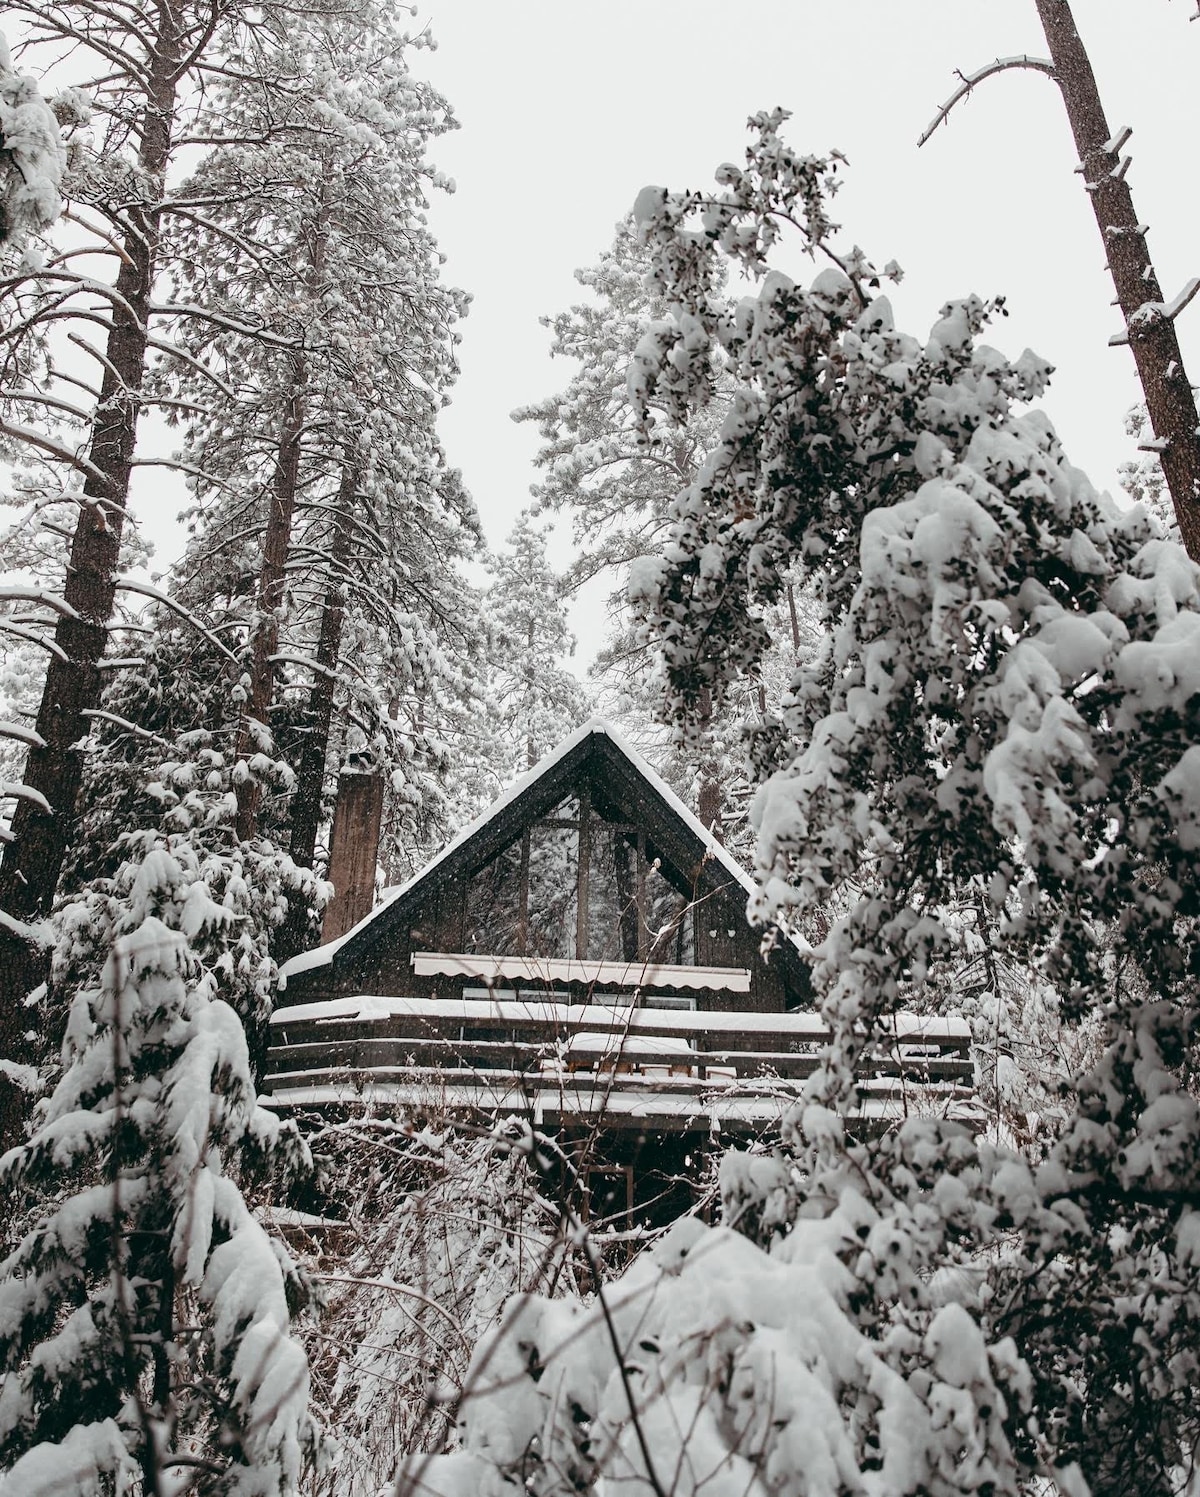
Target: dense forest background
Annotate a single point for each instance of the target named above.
(938, 693)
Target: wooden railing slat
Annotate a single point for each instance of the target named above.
(487, 1055)
(431, 1079)
(666, 1066)
(365, 1011)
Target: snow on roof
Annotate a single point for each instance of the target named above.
(322, 956)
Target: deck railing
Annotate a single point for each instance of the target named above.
(630, 1067)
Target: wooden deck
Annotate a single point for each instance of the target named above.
(626, 1069)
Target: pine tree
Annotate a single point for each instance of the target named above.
(138, 99)
(619, 480)
(164, 764)
(336, 511)
(615, 478)
(148, 74)
(1002, 705)
(145, 1311)
(1005, 712)
(536, 700)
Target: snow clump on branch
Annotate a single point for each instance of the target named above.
(32, 156)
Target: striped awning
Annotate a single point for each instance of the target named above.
(491, 969)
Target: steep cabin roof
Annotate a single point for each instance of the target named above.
(678, 926)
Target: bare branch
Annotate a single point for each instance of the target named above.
(19, 593)
(262, 333)
(123, 722)
(72, 215)
(101, 358)
(10, 790)
(52, 401)
(172, 351)
(73, 379)
(44, 444)
(969, 81)
(33, 637)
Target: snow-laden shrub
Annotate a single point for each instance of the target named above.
(436, 1231)
(1006, 713)
(144, 1312)
(827, 1363)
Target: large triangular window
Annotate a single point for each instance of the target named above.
(577, 884)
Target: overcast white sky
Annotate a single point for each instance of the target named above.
(568, 107)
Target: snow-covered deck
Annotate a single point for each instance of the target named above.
(629, 1067)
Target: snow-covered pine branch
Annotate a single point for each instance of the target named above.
(32, 157)
(145, 1311)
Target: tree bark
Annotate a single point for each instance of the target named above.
(795, 621)
(272, 579)
(277, 541)
(310, 771)
(1151, 332)
(710, 796)
(33, 860)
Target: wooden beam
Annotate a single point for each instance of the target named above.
(583, 873)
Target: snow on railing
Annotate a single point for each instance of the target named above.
(561, 1060)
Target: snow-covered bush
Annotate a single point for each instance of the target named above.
(829, 1363)
(144, 1312)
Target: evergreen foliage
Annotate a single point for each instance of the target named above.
(32, 157)
(537, 701)
(1005, 704)
(328, 531)
(145, 1312)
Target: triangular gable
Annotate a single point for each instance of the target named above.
(631, 781)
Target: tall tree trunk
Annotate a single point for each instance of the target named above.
(1150, 330)
(795, 622)
(272, 578)
(277, 542)
(310, 771)
(33, 860)
(531, 748)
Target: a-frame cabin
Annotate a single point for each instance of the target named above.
(589, 880)
(580, 955)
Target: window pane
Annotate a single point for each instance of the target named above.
(612, 894)
(494, 906)
(653, 999)
(567, 810)
(553, 889)
(670, 922)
